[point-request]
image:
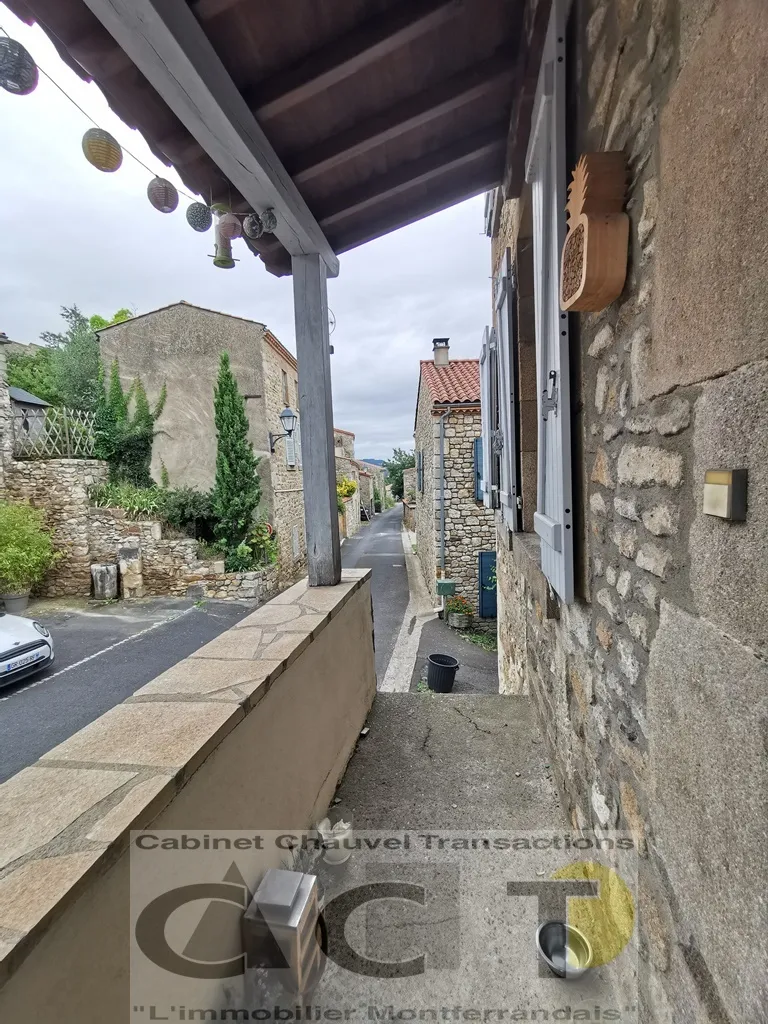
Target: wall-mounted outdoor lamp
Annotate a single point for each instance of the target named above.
(288, 422)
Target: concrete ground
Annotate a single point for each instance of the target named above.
(103, 655)
(478, 670)
(450, 761)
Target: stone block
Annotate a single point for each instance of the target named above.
(602, 471)
(104, 579)
(628, 661)
(706, 697)
(645, 466)
(625, 539)
(654, 559)
(661, 520)
(601, 389)
(602, 341)
(611, 605)
(597, 504)
(711, 274)
(627, 508)
(729, 561)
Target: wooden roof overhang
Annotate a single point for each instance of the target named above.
(350, 118)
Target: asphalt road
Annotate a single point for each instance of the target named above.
(378, 546)
(102, 657)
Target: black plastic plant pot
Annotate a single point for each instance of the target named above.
(441, 672)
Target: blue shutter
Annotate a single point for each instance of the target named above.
(478, 469)
(487, 588)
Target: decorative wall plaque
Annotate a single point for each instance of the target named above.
(594, 262)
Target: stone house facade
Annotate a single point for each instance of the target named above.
(180, 346)
(452, 526)
(633, 616)
(348, 468)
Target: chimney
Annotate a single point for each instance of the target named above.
(441, 351)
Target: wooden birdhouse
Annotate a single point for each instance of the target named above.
(594, 261)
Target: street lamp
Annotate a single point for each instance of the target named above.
(288, 420)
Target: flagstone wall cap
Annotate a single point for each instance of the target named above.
(70, 815)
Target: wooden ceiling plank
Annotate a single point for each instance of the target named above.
(416, 172)
(349, 53)
(413, 112)
(473, 182)
(535, 21)
(166, 42)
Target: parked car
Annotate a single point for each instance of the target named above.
(25, 647)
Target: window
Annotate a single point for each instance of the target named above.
(510, 499)
(546, 173)
(420, 471)
(478, 469)
(286, 396)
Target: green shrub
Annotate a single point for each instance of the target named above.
(240, 559)
(376, 500)
(184, 509)
(26, 547)
(190, 511)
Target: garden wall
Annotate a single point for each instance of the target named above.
(87, 535)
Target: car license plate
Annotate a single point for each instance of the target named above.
(25, 659)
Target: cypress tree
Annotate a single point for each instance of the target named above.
(237, 490)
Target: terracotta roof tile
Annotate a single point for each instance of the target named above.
(459, 381)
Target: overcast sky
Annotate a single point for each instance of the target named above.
(73, 235)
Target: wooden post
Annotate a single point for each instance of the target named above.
(310, 303)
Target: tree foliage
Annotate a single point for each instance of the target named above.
(98, 323)
(400, 461)
(237, 490)
(35, 373)
(125, 428)
(75, 360)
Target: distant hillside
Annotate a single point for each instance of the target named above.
(374, 462)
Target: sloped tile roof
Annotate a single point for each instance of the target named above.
(459, 381)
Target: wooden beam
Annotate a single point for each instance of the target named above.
(418, 172)
(313, 352)
(473, 181)
(342, 57)
(413, 112)
(165, 41)
(535, 21)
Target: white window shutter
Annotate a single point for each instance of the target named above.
(509, 488)
(297, 442)
(485, 418)
(546, 171)
(290, 452)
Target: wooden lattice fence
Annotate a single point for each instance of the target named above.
(53, 433)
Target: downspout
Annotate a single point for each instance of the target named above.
(442, 492)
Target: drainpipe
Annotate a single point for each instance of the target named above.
(442, 493)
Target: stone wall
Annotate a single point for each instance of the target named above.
(180, 346)
(60, 487)
(409, 484)
(6, 419)
(86, 535)
(366, 492)
(469, 526)
(283, 485)
(427, 499)
(651, 685)
(347, 468)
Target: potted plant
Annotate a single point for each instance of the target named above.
(460, 612)
(26, 553)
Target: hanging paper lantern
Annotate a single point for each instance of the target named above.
(229, 226)
(223, 250)
(163, 195)
(18, 71)
(102, 150)
(269, 220)
(199, 216)
(252, 226)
